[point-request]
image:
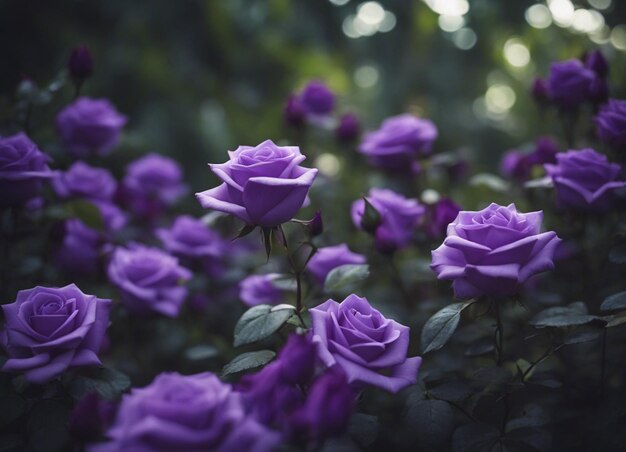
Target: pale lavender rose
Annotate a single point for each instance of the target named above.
(84, 181)
(90, 126)
(368, 347)
(611, 124)
(494, 251)
(149, 279)
(263, 185)
(186, 412)
(330, 257)
(48, 330)
(585, 180)
(23, 168)
(260, 289)
(400, 216)
(398, 142)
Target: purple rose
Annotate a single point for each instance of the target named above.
(398, 142)
(569, 83)
(263, 185)
(348, 128)
(91, 416)
(519, 165)
(329, 258)
(84, 181)
(90, 126)
(399, 216)
(611, 124)
(585, 180)
(539, 91)
(193, 412)
(149, 279)
(597, 62)
(317, 99)
(545, 151)
(368, 347)
(294, 112)
(80, 63)
(494, 251)
(439, 216)
(23, 167)
(79, 254)
(260, 289)
(191, 238)
(297, 359)
(48, 330)
(113, 217)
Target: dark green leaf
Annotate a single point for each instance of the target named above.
(284, 282)
(563, 316)
(247, 229)
(86, 212)
(580, 337)
(363, 428)
(440, 327)
(247, 361)
(474, 438)
(532, 416)
(13, 406)
(260, 322)
(108, 383)
(618, 254)
(492, 375)
(431, 421)
(345, 275)
(537, 438)
(482, 346)
(614, 302)
(47, 426)
(452, 391)
(201, 352)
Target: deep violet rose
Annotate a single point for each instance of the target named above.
(330, 257)
(539, 91)
(584, 180)
(260, 289)
(317, 98)
(519, 164)
(294, 112)
(598, 63)
(439, 216)
(91, 416)
(297, 359)
(149, 279)
(348, 128)
(79, 252)
(494, 251)
(190, 238)
(398, 142)
(191, 413)
(569, 83)
(90, 126)
(80, 63)
(611, 124)
(263, 185)
(399, 216)
(23, 168)
(84, 181)
(368, 347)
(48, 330)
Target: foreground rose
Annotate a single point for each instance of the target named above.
(90, 126)
(494, 251)
(192, 413)
(611, 124)
(584, 180)
(263, 185)
(84, 181)
(330, 257)
(570, 83)
(48, 330)
(398, 142)
(368, 347)
(23, 168)
(149, 279)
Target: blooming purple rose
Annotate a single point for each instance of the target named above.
(519, 165)
(348, 128)
(330, 257)
(597, 62)
(439, 216)
(263, 185)
(48, 330)
(494, 251)
(260, 289)
(368, 347)
(585, 180)
(297, 359)
(90, 126)
(398, 142)
(84, 181)
(611, 124)
(317, 99)
(192, 412)
(399, 216)
(79, 254)
(191, 238)
(569, 83)
(23, 168)
(149, 279)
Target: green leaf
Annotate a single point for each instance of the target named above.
(531, 416)
(108, 383)
(363, 428)
(581, 337)
(474, 438)
(440, 327)
(260, 322)
(201, 352)
(47, 426)
(247, 361)
(452, 391)
(618, 254)
(286, 283)
(13, 406)
(345, 275)
(613, 302)
(86, 212)
(563, 316)
(430, 422)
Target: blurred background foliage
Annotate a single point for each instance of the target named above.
(199, 77)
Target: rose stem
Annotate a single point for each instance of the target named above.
(498, 333)
(297, 273)
(603, 364)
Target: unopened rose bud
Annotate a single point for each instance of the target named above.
(371, 218)
(348, 128)
(597, 63)
(315, 226)
(80, 64)
(539, 91)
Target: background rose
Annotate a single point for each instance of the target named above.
(493, 251)
(79, 252)
(84, 181)
(260, 289)
(398, 141)
(329, 258)
(149, 279)
(368, 347)
(440, 215)
(90, 126)
(317, 99)
(399, 216)
(194, 412)
(48, 330)
(263, 185)
(569, 83)
(23, 167)
(611, 124)
(584, 180)
(190, 237)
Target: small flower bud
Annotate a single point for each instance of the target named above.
(80, 64)
(371, 218)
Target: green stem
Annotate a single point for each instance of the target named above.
(603, 365)
(498, 333)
